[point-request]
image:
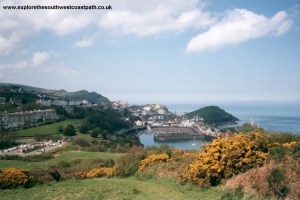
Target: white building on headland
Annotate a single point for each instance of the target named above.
(20, 119)
(120, 104)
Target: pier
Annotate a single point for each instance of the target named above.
(178, 133)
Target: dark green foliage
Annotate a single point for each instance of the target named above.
(234, 194)
(110, 120)
(213, 115)
(54, 137)
(78, 112)
(64, 164)
(245, 128)
(276, 181)
(83, 128)
(96, 132)
(82, 142)
(284, 137)
(85, 95)
(61, 111)
(69, 130)
(278, 153)
(7, 141)
(276, 177)
(282, 191)
(32, 106)
(60, 128)
(4, 144)
(7, 107)
(34, 158)
(295, 151)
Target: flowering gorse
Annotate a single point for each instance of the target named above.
(225, 157)
(100, 172)
(13, 177)
(154, 158)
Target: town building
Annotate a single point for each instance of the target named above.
(20, 119)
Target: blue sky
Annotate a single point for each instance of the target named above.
(157, 51)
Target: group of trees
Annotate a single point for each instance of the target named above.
(108, 119)
(68, 131)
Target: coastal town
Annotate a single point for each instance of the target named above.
(168, 125)
(155, 119)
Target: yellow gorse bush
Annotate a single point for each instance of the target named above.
(225, 157)
(289, 145)
(100, 172)
(13, 177)
(154, 158)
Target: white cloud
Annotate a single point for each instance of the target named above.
(135, 17)
(139, 18)
(8, 43)
(238, 26)
(38, 58)
(156, 17)
(85, 42)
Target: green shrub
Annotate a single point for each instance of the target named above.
(83, 129)
(69, 130)
(278, 153)
(128, 164)
(276, 177)
(276, 181)
(295, 151)
(82, 142)
(64, 164)
(233, 194)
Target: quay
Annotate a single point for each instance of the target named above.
(162, 134)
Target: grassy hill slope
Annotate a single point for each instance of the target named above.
(114, 188)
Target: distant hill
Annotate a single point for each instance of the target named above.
(79, 95)
(213, 115)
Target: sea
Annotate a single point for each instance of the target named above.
(271, 117)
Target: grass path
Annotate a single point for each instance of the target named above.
(114, 189)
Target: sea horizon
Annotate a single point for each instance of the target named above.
(277, 117)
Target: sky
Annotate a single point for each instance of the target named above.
(157, 51)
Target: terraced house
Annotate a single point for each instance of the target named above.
(20, 119)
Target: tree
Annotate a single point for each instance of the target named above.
(70, 130)
(60, 129)
(96, 132)
(83, 128)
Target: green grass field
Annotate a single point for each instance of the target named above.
(65, 156)
(114, 188)
(46, 129)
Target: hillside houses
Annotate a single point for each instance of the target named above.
(20, 119)
(62, 102)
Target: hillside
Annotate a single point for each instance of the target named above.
(114, 189)
(79, 95)
(213, 115)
